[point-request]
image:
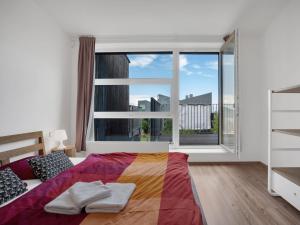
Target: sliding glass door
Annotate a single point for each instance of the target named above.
(229, 94)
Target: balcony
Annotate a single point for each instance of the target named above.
(198, 124)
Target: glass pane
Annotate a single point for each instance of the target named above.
(133, 130)
(122, 98)
(133, 65)
(198, 94)
(228, 96)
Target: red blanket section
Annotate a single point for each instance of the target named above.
(28, 209)
(177, 200)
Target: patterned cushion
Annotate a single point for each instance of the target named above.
(10, 185)
(21, 168)
(50, 165)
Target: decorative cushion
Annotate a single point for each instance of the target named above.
(10, 185)
(21, 168)
(46, 167)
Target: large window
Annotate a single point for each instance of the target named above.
(179, 97)
(132, 98)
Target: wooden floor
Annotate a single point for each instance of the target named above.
(236, 194)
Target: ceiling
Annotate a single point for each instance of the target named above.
(181, 18)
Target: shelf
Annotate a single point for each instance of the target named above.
(286, 110)
(293, 89)
(290, 173)
(286, 149)
(295, 132)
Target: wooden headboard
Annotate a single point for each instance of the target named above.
(38, 147)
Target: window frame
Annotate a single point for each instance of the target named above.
(174, 94)
(234, 35)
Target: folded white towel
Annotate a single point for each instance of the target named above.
(120, 194)
(83, 193)
(62, 204)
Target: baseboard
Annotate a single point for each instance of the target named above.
(226, 163)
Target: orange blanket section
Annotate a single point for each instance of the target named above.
(148, 172)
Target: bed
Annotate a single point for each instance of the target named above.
(164, 190)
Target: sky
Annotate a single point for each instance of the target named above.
(198, 75)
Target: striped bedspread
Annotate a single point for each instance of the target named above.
(163, 192)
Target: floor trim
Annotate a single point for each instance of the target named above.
(226, 163)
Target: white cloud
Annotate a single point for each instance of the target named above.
(196, 66)
(213, 65)
(207, 75)
(143, 60)
(182, 61)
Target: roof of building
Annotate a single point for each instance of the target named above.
(205, 99)
(143, 102)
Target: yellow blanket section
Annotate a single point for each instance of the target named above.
(147, 171)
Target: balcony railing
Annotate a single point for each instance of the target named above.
(199, 123)
(197, 116)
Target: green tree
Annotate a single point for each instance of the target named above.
(167, 127)
(215, 128)
(145, 126)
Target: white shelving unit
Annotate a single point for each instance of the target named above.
(283, 181)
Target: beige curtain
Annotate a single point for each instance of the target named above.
(84, 89)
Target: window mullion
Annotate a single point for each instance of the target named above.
(131, 115)
(130, 81)
(175, 98)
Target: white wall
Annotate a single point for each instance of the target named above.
(280, 60)
(35, 70)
